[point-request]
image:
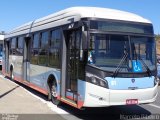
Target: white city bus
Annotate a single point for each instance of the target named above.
(85, 57)
(1, 48)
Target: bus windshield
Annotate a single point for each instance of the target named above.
(109, 52)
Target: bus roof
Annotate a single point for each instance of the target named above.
(62, 17)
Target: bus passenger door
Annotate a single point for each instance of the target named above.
(70, 68)
(6, 57)
(26, 63)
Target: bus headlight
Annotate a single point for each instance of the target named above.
(96, 80)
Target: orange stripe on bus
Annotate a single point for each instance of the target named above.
(35, 87)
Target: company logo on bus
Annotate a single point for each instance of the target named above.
(133, 80)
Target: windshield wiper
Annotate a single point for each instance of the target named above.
(147, 68)
(115, 73)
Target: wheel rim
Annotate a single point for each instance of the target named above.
(54, 91)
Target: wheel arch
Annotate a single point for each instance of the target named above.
(51, 78)
(11, 67)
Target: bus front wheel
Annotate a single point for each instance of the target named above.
(54, 93)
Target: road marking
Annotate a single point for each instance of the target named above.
(153, 105)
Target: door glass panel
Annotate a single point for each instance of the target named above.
(73, 54)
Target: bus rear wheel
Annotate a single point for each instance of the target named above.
(11, 73)
(54, 93)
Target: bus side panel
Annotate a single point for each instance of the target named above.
(5, 61)
(38, 75)
(18, 68)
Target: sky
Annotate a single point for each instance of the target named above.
(14, 13)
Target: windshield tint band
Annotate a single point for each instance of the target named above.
(120, 26)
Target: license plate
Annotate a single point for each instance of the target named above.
(131, 101)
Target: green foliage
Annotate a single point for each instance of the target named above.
(157, 37)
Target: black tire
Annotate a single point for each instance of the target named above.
(54, 93)
(11, 75)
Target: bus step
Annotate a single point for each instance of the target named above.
(71, 95)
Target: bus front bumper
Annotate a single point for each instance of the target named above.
(101, 97)
(120, 97)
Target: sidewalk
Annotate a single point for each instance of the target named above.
(15, 100)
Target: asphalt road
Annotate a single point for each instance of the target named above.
(36, 107)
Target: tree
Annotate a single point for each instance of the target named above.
(157, 37)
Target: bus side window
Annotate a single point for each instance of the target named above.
(13, 46)
(43, 48)
(20, 45)
(54, 52)
(35, 49)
